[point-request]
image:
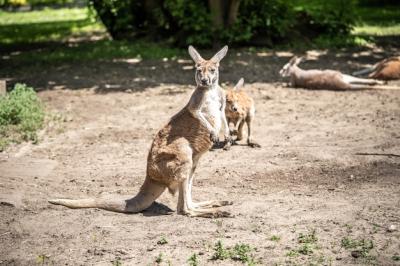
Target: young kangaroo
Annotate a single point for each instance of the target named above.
(177, 148)
(387, 69)
(325, 79)
(239, 110)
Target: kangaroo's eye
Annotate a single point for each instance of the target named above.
(212, 70)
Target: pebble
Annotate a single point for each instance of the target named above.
(391, 228)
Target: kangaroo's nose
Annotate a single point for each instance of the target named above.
(204, 81)
(234, 108)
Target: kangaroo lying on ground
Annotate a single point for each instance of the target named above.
(239, 110)
(325, 79)
(387, 69)
(177, 148)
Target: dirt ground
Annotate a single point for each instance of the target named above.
(322, 190)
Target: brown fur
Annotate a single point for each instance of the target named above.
(239, 110)
(177, 148)
(388, 69)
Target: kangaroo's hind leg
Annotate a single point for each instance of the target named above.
(353, 80)
(250, 140)
(186, 205)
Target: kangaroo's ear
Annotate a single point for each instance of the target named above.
(195, 55)
(221, 54)
(298, 60)
(293, 60)
(239, 85)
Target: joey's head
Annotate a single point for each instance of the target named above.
(207, 73)
(287, 69)
(234, 106)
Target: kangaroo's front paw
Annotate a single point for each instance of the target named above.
(214, 137)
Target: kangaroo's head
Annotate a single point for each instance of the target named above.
(287, 69)
(233, 104)
(207, 70)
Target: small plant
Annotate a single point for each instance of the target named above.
(396, 257)
(21, 115)
(306, 249)
(162, 241)
(241, 252)
(42, 259)
(275, 238)
(193, 260)
(159, 258)
(220, 252)
(359, 247)
(116, 262)
(292, 253)
(308, 238)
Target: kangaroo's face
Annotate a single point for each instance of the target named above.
(233, 103)
(207, 73)
(287, 69)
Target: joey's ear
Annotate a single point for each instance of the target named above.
(195, 55)
(221, 54)
(293, 60)
(239, 85)
(299, 60)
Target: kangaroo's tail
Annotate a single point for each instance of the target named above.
(364, 72)
(372, 87)
(148, 193)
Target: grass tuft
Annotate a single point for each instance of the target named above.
(21, 115)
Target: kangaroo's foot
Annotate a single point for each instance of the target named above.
(212, 203)
(205, 213)
(254, 144)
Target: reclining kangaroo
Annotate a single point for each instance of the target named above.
(177, 148)
(326, 79)
(387, 69)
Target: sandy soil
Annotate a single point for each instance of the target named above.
(329, 167)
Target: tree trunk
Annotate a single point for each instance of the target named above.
(232, 12)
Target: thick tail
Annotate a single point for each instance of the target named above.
(148, 193)
(372, 87)
(363, 72)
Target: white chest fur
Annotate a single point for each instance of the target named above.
(212, 108)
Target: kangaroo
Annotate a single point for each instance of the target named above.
(177, 148)
(326, 79)
(387, 69)
(239, 110)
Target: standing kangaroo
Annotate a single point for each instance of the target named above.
(325, 79)
(177, 148)
(387, 69)
(239, 110)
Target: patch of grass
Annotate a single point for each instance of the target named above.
(242, 252)
(220, 252)
(362, 247)
(162, 241)
(275, 238)
(116, 262)
(308, 238)
(159, 258)
(46, 25)
(396, 257)
(193, 260)
(21, 115)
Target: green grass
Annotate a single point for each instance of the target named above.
(21, 116)
(46, 25)
(378, 21)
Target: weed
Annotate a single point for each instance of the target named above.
(275, 238)
(220, 252)
(42, 259)
(159, 258)
(241, 252)
(162, 241)
(396, 257)
(193, 260)
(292, 253)
(361, 247)
(116, 262)
(21, 115)
(305, 249)
(309, 238)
